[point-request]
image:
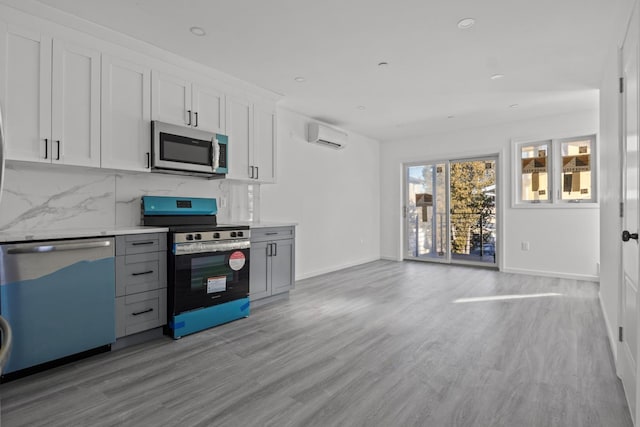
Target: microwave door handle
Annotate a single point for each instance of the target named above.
(215, 154)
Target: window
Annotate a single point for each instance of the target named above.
(534, 172)
(555, 171)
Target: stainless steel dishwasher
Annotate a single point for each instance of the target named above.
(59, 298)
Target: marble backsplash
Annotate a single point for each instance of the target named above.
(53, 197)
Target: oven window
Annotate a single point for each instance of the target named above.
(212, 271)
(176, 148)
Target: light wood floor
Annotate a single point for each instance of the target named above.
(382, 344)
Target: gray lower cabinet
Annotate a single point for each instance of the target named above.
(141, 282)
(272, 261)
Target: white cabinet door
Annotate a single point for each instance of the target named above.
(240, 131)
(208, 109)
(75, 127)
(264, 143)
(171, 99)
(126, 115)
(26, 79)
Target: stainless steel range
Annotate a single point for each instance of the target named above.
(208, 265)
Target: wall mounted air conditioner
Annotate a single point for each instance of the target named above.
(324, 135)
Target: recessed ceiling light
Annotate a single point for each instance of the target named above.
(497, 76)
(514, 105)
(197, 31)
(466, 23)
(300, 79)
(361, 107)
(383, 64)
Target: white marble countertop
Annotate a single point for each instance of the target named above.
(26, 235)
(261, 224)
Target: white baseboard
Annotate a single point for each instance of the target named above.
(557, 274)
(391, 258)
(333, 268)
(611, 333)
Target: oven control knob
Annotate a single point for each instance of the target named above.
(240, 234)
(198, 236)
(189, 237)
(216, 235)
(233, 234)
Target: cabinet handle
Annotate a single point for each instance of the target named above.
(273, 233)
(142, 243)
(148, 160)
(252, 170)
(142, 273)
(46, 148)
(269, 249)
(189, 111)
(257, 172)
(58, 154)
(196, 114)
(275, 249)
(138, 313)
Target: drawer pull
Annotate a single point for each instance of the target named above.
(138, 313)
(142, 243)
(271, 234)
(142, 273)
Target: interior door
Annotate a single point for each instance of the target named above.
(628, 347)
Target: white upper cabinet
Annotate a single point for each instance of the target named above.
(71, 98)
(264, 144)
(252, 140)
(26, 84)
(52, 99)
(208, 108)
(171, 99)
(126, 115)
(240, 131)
(181, 102)
(75, 124)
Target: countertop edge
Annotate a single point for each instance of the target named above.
(24, 236)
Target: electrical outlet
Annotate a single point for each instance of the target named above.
(525, 246)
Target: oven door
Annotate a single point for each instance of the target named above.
(210, 278)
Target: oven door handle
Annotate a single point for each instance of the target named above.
(200, 247)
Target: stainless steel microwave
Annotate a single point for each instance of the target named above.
(185, 151)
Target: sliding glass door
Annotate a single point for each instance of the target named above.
(450, 211)
(426, 212)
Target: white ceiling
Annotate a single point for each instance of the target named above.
(551, 52)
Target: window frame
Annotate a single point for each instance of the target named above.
(554, 172)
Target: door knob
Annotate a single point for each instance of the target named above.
(626, 236)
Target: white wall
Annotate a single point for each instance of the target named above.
(564, 242)
(333, 195)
